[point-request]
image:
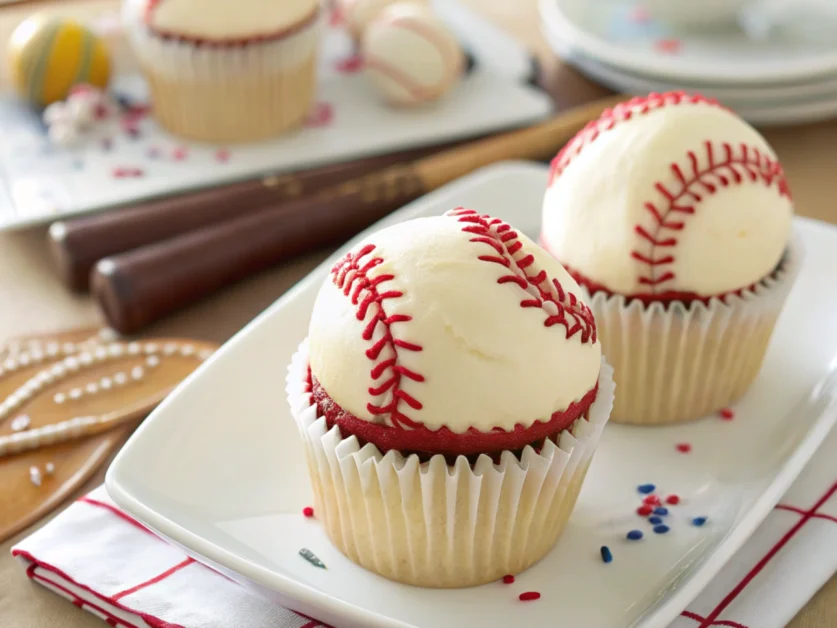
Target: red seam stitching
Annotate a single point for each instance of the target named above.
(723, 622)
(154, 580)
(733, 169)
(561, 307)
(622, 112)
(800, 511)
(351, 275)
(79, 601)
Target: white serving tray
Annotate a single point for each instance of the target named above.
(40, 182)
(218, 468)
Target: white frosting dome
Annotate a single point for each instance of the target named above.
(669, 193)
(420, 302)
(223, 19)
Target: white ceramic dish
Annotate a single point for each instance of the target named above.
(218, 468)
(614, 32)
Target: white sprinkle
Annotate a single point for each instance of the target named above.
(21, 422)
(187, 350)
(10, 365)
(52, 349)
(49, 468)
(137, 372)
(108, 335)
(150, 348)
(72, 364)
(91, 388)
(58, 370)
(120, 378)
(35, 476)
(37, 355)
(134, 348)
(170, 349)
(59, 398)
(152, 361)
(22, 395)
(115, 350)
(101, 353)
(105, 383)
(23, 359)
(44, 377)
(68, 347)
(75, 393)
(85, 358)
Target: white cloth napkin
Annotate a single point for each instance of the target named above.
(101, 560)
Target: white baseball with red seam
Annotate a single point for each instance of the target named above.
(410, 55)
(476, 350)
(668, 194)
(359, 13)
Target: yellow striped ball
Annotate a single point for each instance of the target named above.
(49, 55)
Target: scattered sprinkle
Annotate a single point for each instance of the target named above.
(639, 15)
(222, 155)
(644, 511)
(349, 65)
(49, 468)
(655, 520)
(180, 153)
(661, 510)
(727, 414)
(646, 488)
(308, 511)
(634, 535)
(153, 153)
(311, 557)
(669, 45)
(21, 422)
(321, 114)
(35, 475)
(673, 500)
(698, 521)
(607, 555)
(508, 579)
(529, 596)
(127, 173)
(683, 448)
(651, 500)
(661, 529)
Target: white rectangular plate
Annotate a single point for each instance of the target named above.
(218, 467)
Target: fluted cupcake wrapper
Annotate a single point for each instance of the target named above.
(228, 93)
(434, 525)
(682, 362)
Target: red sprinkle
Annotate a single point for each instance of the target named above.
(727, 414)
(509, 579)
(669, 46)
(179, 154)
(529, 595)
(673, 500)
(644, 511)
(308, 511)
(222, 155)
(683, 448)
(651, 500)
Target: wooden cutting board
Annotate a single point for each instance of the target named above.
(89, 372)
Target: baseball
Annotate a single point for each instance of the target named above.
(456, 321)
(410, 55)
(359, 13)
(683, 197)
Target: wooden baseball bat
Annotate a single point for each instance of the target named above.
(136, 288)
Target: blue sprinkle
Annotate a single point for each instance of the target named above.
(660, 529)
(659, 510)
(634, 535)
(607, 556)
(655, 520)
(698, 521)
(646, 488)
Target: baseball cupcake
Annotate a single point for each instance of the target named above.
(226, 71)
(674, 215)
(450, 395)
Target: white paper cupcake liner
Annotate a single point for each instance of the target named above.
(227, 93)
(434, 525)
(683, 362)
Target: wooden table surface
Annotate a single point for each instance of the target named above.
(32, 299)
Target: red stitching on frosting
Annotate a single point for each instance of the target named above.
(737, 165)
(622, 112)
(351, 275)
(562, 307)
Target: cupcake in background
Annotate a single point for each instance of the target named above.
(674, 215)
(450, 396)
(223, 71)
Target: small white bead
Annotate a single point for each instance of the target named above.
(152, 361)
(21, 422)
(116, 350)
(37, 355)
(23, 359)
(49, 468)
(59, 398)
(52, 349)
(91, 388)
(58, 370)
(134, 348)
(85, 358)
(10, 365)
(76, 393)
(68, 348)
(72, 364)
(137, 372)
(22, 394)
(35, 476)
(187, 350)
(44, 377)
(120, 378)
(108, 335)
(150, 348)
(101, 353)
(105, 383)
(170, 349)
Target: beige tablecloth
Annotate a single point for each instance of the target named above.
(32, 299)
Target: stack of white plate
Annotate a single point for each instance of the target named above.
(777, 74)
